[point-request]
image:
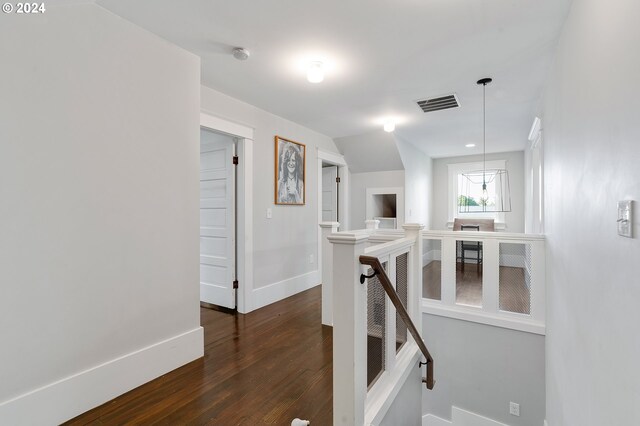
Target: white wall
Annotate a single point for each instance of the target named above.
(515, 167)
(282, 245)
(99, 188)
(370, 152)
(406, 408)
(418, 176)
(358, 184)
(591, 154)
(481, 368)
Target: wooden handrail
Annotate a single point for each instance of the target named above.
(375, 264)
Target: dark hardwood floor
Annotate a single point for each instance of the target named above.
(266, 367)
(514, 293)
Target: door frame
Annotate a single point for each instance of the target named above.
(244, 202)
(343, 196)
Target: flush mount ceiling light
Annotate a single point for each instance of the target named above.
(389, 126)
(485, 190)
(470, 145)
(315, 72)
(241, 53)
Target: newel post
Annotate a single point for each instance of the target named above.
(371, 224)
(349, 330)
(326, 260)
(414, 292)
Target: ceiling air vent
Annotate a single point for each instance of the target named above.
(440, 103)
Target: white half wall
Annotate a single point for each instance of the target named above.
(515, 167)
(481, 368)
(285, 247)
(99, 159)
(591, 157)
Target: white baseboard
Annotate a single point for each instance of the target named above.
(431, 420)
(60, 401)
(271, 293)
(460, 417)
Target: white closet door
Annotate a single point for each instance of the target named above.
(217, 219)
(329, 194)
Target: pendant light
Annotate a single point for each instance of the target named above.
(492, 184)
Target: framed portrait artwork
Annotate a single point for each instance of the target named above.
(290, 172)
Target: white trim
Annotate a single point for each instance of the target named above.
(244, 221)
(244, 194)
(331, 157)
(431, 420)
(508, 320)
(271, 293)
(343, 197)
(460, 417)
(535, 130)
(64, 399)
(220, 124)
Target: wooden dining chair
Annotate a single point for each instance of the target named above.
(474, 246)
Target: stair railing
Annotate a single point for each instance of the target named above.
(376, 266)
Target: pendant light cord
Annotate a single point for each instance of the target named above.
(484, 135)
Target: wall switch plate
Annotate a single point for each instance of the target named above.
(514, 409)
(310, 258)
(625, 218)
(269, 214)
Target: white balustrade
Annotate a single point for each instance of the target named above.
(514, 261)
(356, 403)
(504, 256)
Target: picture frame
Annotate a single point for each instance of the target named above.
(290, 172)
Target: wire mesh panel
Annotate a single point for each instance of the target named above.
(402, 280)
(515, 277)
(376, 322)
(469, 256)
(432, 269)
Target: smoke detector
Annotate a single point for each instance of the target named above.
(241, 54)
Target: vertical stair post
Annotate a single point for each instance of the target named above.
(371, 224)
(349, 329)
(326, 260)
(414, 290)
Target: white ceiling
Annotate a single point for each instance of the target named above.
(384, 54)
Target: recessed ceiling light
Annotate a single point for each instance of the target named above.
(470, 145)
(241, 53)
(315, 72)
(389, 126)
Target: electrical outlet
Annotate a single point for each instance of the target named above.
(269, 214)
(514, 409)
(310, 258)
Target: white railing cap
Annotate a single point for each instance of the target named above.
(329, 224)
(485, 235)
(413, 226)
(351, 237)
(390, 247)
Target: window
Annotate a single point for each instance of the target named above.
(466, 198)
